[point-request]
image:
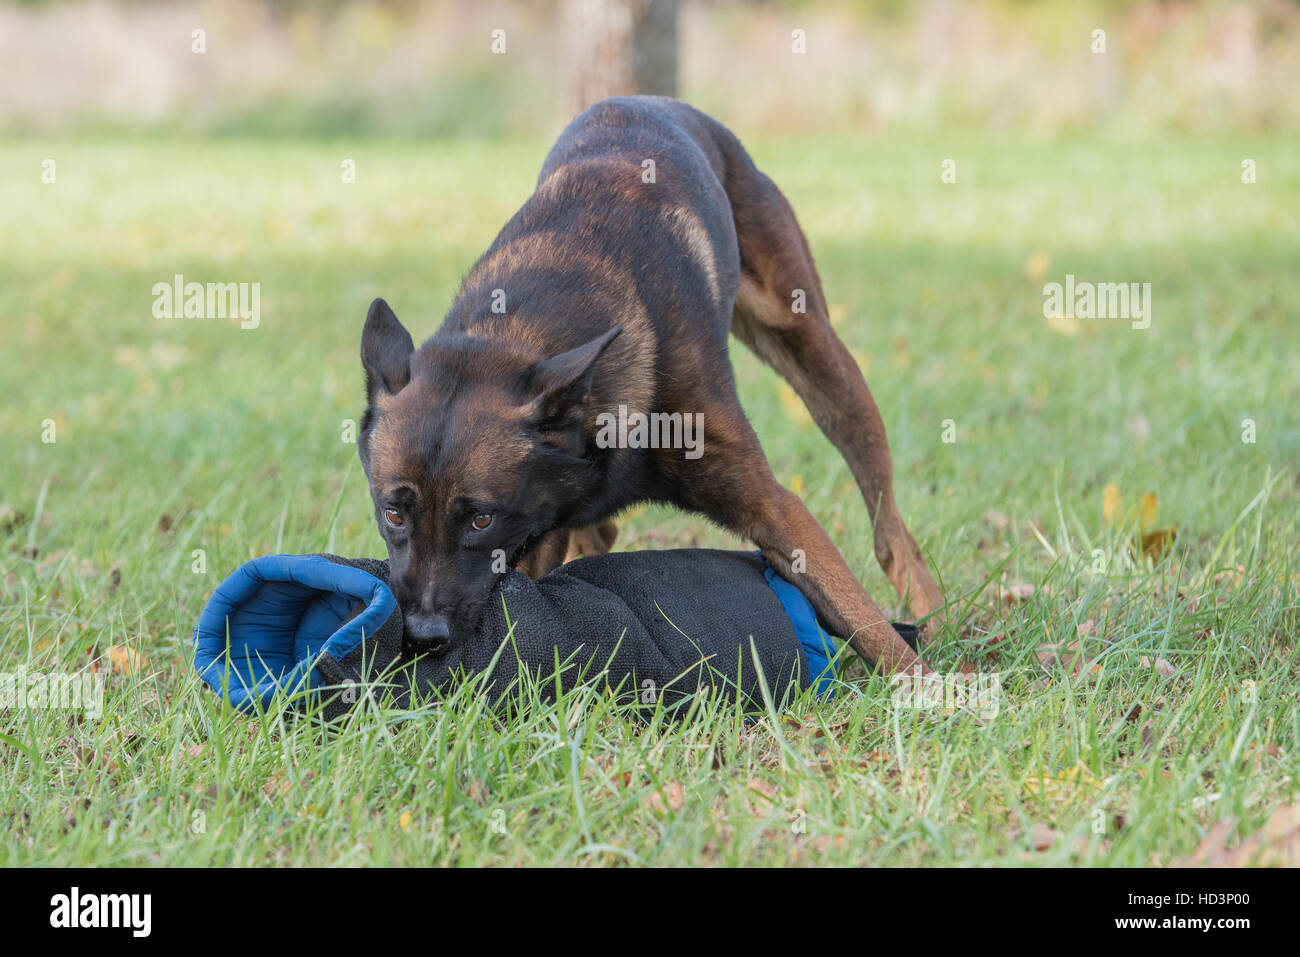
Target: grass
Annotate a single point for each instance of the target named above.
(174, 436)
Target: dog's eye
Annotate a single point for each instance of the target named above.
(394, 517)
(482, 521)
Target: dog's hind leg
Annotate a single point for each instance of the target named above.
(777, 275)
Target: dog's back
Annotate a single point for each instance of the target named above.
(629, 206)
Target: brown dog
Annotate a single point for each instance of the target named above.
(610, 295)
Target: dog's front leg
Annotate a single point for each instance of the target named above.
(801, 551)
(740, 493)
(734, 485)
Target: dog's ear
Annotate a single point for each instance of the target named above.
(562, 387)
(386, 349)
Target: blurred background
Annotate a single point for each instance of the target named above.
(429, 68)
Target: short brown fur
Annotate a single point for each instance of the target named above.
(620, 290)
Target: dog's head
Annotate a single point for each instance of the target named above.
(473, 449)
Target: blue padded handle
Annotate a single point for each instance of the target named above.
(265, 624)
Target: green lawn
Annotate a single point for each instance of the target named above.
(177, 435)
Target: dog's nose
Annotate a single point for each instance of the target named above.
(427, 634)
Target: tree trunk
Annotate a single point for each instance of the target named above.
(613, 47)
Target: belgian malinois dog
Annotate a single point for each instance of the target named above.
(650, 236)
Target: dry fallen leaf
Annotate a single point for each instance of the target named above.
(810, 725)
(1153, 542)
(1156, 543)
(1016, 593)
(1112, 504)
(1043, 836)
(1162, 666)
(1276, 844)
(1071, 656)
(822, 843)
(1037, 264)
(10, 518)
(124, 660)
(1148, 510)
(760, 798)
(91, 760)
(1078, 777)
(671, 795)
(997, 520)
(277, 785)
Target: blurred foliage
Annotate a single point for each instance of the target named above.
(424, 68)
